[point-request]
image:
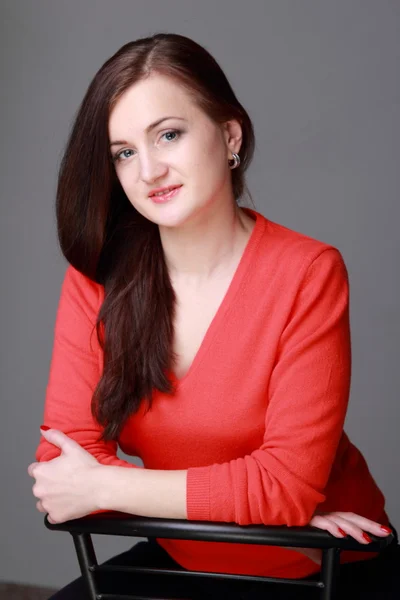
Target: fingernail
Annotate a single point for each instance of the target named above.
(343, 533)
(44, 427)
(386, 529)
(366, 537)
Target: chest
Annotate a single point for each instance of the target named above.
(196, 309)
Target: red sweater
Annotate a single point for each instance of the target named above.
(257, 420)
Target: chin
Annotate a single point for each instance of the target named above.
(175, 221)
(171, 216)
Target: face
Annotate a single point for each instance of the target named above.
(160, 138)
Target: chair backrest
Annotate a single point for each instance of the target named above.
(122, 524)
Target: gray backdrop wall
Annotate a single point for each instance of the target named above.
(321, 82)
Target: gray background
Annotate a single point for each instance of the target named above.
(320, 81)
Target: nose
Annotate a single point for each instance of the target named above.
(151, 166)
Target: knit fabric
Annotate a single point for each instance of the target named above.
(258, 419)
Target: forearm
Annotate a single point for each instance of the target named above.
(144, 492)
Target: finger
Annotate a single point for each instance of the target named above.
(50, 520)
(350, 527)
(365, 524)
(39, 506)
(60, 439)
(36, 491)
(326, 524)
(31, 468)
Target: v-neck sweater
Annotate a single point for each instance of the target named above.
(258, 419)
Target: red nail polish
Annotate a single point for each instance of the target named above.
(343, 533)
(44, 427)
(387, 529)
(366, 537)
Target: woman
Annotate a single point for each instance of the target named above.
(222, 354)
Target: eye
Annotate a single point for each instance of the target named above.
(171, 136)
(173, 132)
(121, 155)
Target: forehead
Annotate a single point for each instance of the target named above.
(150, 99)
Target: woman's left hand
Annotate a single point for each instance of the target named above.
(342, 524)
(65, 486)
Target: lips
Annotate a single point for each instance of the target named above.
(161, 191)
(169, 193)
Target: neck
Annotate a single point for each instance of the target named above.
(205, 245)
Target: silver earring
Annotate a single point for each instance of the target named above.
(236, 161)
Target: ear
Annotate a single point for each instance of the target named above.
(232, 132)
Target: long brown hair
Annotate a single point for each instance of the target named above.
(106, 239)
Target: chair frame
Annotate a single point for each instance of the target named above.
(122, 524)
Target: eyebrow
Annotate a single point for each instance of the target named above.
(148, 129)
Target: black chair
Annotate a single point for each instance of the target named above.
(122, 524)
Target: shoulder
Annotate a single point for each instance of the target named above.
(81, 294)
(295, 252)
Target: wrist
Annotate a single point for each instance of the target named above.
(111, 484)
(100, 487)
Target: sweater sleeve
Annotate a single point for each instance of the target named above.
(75, 370)
(283, 481)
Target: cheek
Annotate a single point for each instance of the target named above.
(128, 178)
(204, 152)
(208, 169)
